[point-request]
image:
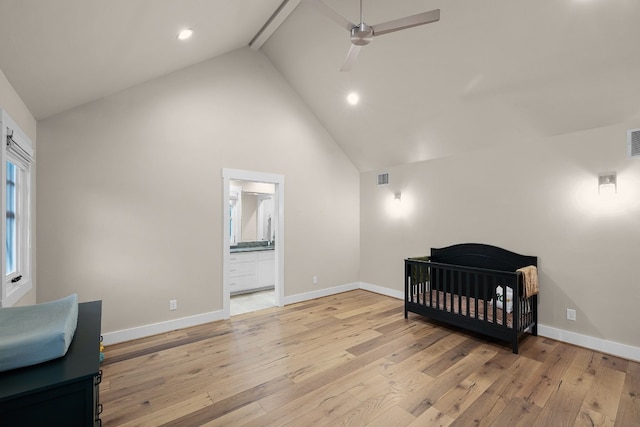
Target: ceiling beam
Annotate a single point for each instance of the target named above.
(272, 24)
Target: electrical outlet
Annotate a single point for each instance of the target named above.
(173, 304)
(571, 314)
(315, 280)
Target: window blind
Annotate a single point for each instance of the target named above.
(19, 147)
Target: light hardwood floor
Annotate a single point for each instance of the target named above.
(352, 359)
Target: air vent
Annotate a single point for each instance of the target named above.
(383, 178)
(633, 143)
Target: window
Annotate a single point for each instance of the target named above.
(17, 222)
(17, 160)
(12, 243)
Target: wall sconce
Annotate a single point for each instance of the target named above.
(397, 198)
(607, 183)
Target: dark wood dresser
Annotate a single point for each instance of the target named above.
(61, 392)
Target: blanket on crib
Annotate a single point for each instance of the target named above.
(530, 276)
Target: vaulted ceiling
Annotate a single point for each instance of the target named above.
(58, 54)
(490, 72)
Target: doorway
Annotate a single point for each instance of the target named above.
(254, 259)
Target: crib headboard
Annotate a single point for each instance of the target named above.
(479, 255)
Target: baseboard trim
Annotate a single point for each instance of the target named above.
(382, 290)
(160, 328)
(610, 347)
(186, 322)
(586, 341)
(604, 346)
(292, 299)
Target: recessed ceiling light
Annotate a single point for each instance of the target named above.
(353, 98)
(185, 34)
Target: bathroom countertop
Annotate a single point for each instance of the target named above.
(258, 246)
(251, 249)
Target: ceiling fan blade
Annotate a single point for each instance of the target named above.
(333, 15)
(354, 50)
(406, 22)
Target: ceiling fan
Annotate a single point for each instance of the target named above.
(362, 34)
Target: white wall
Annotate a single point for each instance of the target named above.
(130, 190)
(538, 198)
(11, 102)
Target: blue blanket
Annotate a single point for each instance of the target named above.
(36, 333)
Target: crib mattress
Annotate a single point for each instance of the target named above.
(36, 333)
(441, 300)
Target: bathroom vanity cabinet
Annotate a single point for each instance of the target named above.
(251, 270)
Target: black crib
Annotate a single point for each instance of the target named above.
(458, 285)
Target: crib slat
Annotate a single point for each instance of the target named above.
(446, 281)
(467, 293)
(443, 278)
(459, 282)
(411, 282)
(419, 282)
(475, 301)
(517, 313)
(494, 303)
(485, 312)
(452, 275)
(409, 285)
(419, 285)
(425, 275)
(504, 303)
(434, 284)
(455, 286)
(451, 289)
(518, 310)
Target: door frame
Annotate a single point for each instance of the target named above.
(278, 221)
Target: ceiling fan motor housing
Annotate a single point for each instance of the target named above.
(361, 35)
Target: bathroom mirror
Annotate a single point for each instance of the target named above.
(251, 211)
